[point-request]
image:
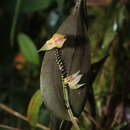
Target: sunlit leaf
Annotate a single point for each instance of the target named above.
(34, 108)
(28, 49)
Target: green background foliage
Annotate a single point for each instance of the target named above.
(24, 27)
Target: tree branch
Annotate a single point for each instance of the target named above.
(8, 127)
(20, 116)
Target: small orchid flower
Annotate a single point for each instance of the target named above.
(73, 80)
(57, 41)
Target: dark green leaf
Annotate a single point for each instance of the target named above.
(27, 5)
(60, 4)
(30, 6)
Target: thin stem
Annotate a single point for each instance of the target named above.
(8, 127)
(14, 22)
(20, 116)
(61, 66)
(71, 115)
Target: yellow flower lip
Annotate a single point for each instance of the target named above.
(57, 41)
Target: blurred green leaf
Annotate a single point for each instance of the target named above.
(96, 28)
(34, 108)
(122, 14)
(60, 4)
(121, 126)
(31, 6)
(28, 48)
(109, 34)
(27, 5)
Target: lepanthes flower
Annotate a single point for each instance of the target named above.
(57, 41)
(73, 80)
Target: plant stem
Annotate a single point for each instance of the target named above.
(8, 127)
(20, 116)
(71, 115)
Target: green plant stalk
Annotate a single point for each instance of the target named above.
(67, 103)
(14, 21)
(65, 86)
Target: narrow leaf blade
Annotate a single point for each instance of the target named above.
(34, 108)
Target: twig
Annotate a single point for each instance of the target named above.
(8, 127)
(86, 114)
(11, 111)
